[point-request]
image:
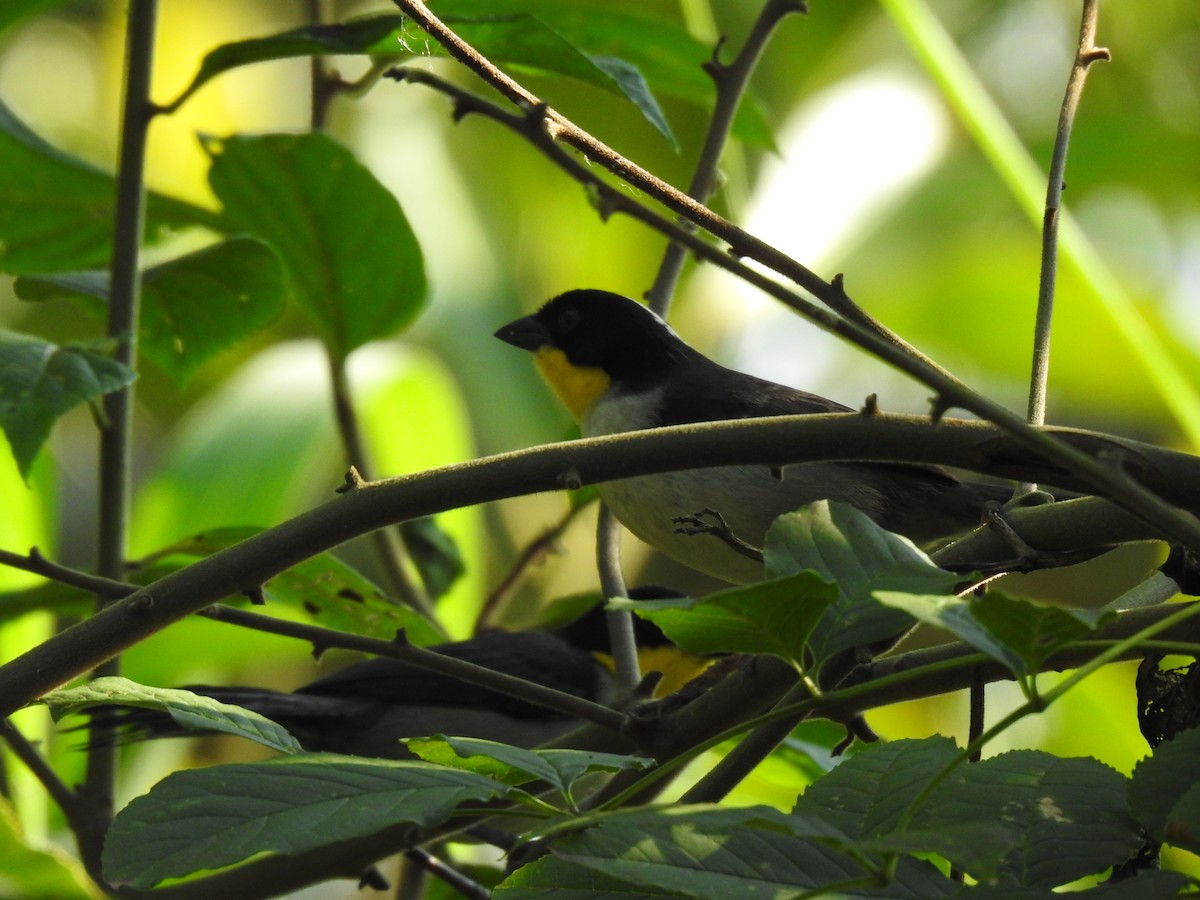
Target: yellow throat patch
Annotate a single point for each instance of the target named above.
(578, 387)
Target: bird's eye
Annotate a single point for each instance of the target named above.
(568, 319)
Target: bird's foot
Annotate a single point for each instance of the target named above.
(709, 521)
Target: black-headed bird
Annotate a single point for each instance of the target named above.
(618, 367)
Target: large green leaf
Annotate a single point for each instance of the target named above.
(39, 381)
(865, 796)
(322, 587)
(1065, 818)
(843, 546)
(221, 815)
(190, 710)
(519, 39)
(560, 768)
(553, 877)
(773, 617)
(751, 852)
(193, 307)
(1164, 792)
(354, 265)
(669, 58)
(1018, 633)
(57, 212)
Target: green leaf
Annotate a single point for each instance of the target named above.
(1067, 817)
(373, 34)
(57, 212)
(190, 710)
(750, 852)
(865, 795)
(843, 546)
(38, 874)
(193, 307)
(1164, 791)
(330, 592)
(40, 381)
(514, 765)
(221, 815)
(553, 877)
(1016, 632)
(354, 265)
(773, 617)
(519, 39)
(529, 44)
(663, 51)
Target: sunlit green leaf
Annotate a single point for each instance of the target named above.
(551, 876)
(1019, 633)
(713, 852)
(327, 590)
(865, 795)
(1066, 818)
(560, 768)
(193, 711)
(770, 617)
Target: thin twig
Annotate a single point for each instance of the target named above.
(1086, 54)
(390, 551)
(388, 546)
(326, 638)
(533, 553)
(1099, 475)
(730, 82)
(622, 641)
(67, 800)
(553, 127)
(456, 879)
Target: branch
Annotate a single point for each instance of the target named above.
(730, 82)
(116, 437)
(532, 553)
(325, 638)
(1086, 54)
(1095, 476)
(772, 442)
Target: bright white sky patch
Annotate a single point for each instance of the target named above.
(846, 158)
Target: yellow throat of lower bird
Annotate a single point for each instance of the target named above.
(578, 387)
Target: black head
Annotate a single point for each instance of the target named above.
(601, 330)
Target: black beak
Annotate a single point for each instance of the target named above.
(527, 333)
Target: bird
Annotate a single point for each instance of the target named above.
(617, 366)
(365, 708)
